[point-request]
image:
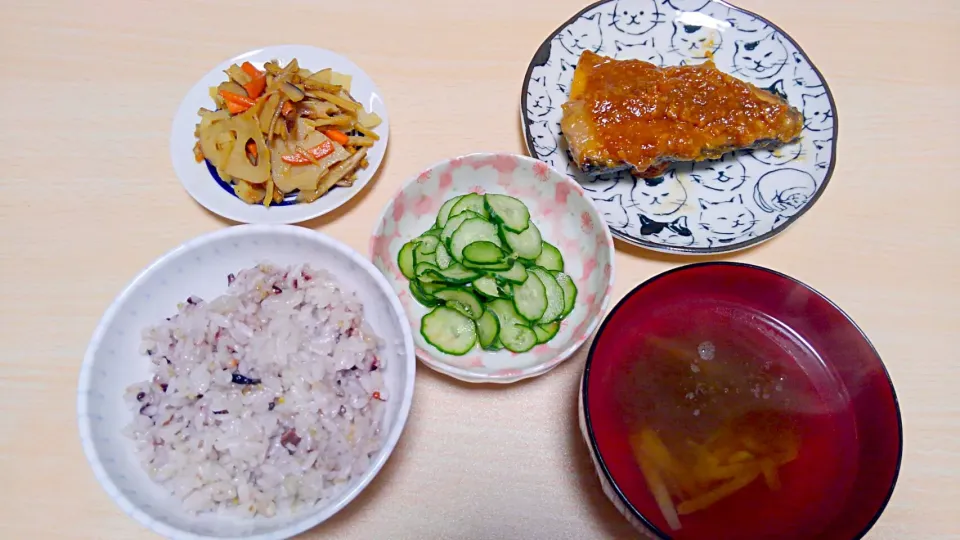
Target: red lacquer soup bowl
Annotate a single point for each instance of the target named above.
(725, 401)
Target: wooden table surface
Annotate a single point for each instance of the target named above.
(88, 197)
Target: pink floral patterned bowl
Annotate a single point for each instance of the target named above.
(565, 217)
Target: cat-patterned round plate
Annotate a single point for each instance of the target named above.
(708, 207)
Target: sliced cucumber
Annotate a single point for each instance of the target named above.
(550, 258)
(428, 242)
(461, 300)
(545, 332)
(483, 252)
(510, 212)
(443, 256)
(470, 202)
(505, 264)
(527, 244)
(457, 273)
(497, 345)
(444, 212)
(514, 335)
(419, 256)
(453, 223)
(530, 298)
(470, 231)
(423, 268)
(554, 295)
(516, 274)
(405, 260)
(487, 329)
(569, 292)
(431, 288)
(487, 286)
(421, 296)
(449, 330)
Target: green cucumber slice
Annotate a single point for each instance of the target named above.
(405, 260)
(428, 242)
(510, 212)
(569, 292)
(457, 273)
(420, 296)
(487, 329)
(483, 252)
(470, 231)
(550, 258)
(545, 332)
(492, 267)
(554, 295)
(497, 345)
(444, 212)
(463, 301)
(423, 268)
(453, 224)
(431, 288)
(516, 274)
(419, 256)
(449, 330)
(487, 286)
(514, 335)
(443, 256)
(470, 202)
(530, 298)
(527, 244)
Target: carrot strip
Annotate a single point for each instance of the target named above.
(287, 108)
(252, 148)
(318, 152)
(236, 108)
(250, 70)
(256, 86)
(337, 136)
(237, 99)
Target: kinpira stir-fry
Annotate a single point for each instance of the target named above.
(285, 129)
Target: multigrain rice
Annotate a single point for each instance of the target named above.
(263, 400)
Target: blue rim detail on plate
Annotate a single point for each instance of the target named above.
(774, 188)
(288, 198)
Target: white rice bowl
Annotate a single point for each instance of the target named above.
(254, 409)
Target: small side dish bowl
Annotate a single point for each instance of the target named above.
(200, 268)
(565, 218)
(728, 401)
(201, 179)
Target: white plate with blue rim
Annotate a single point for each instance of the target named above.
(719, 206)
(201, 179)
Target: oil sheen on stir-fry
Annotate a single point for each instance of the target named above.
(284, 129)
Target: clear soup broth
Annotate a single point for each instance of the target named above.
(723, 424)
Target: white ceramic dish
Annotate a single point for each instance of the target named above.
(201, 182)
(200, 266)
(566, 219)
(711, 207)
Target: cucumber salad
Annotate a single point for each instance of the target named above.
(489, 277)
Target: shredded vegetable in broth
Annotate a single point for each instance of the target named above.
(724, 425)
(284, 129)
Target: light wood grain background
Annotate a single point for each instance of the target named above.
(88, 197)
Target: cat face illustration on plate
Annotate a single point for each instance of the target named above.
(636, 17)
(727, 219)
(544, 142)
(583, 34)
(565, 76)
(687, 5)
(675, 233)
(613, 211)
(762, 58)
(780, 156)
(725, 174)
(539, 102)
(817, 113)
(784, 191)
(661, 196)
(638, 51)
(694, 42)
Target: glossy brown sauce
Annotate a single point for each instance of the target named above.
(635, 112)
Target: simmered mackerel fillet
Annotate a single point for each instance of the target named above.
(630, 113)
